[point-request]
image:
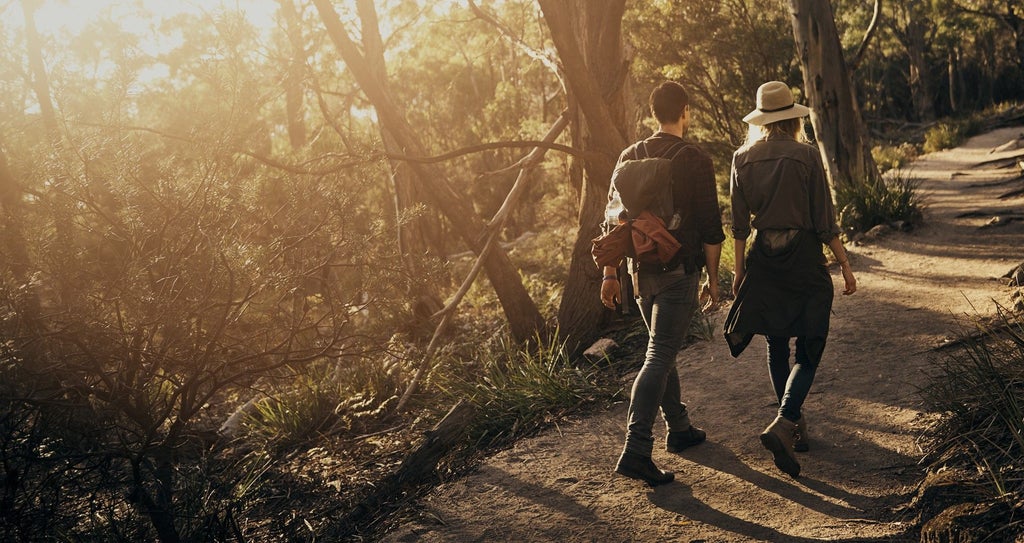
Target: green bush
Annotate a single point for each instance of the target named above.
(946, 135)
(890, 157)
(895, 198)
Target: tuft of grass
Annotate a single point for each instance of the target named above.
(895, 198)
(295, 415)
(325, 398)
(980, 389)
(520, 389)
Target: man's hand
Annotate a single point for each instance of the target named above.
(710, 295)
(610, 293)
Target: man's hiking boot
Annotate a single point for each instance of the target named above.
(801, 442)
(778, 438)
(676, 442)
(641, 467)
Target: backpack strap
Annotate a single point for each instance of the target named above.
(672, 153)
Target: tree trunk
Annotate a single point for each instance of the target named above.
(920, 84)
(524, 319)
(838, 125)
(413, 234)
(40, 79)
(293, 90)
(588, 37)
(58, 200)
(951, 71)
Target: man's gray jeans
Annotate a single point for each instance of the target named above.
(667, 303)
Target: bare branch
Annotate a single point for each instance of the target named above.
(868, 34)
(494, 226)
(301, 170)
(506, 32)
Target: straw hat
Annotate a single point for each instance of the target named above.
(775, 103)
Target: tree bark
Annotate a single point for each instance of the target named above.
(588, 37)
(414, 234)
(63, 208)
(14, 245)
(951, 72)
(40, 79)
(293, 85)
(524, 318)
(835, 114)
(920, 90)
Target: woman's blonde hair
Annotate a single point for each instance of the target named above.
(793, 128)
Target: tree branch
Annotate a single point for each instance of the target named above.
(506, 32)
(868, 34)
(494, 226)
(302, 170)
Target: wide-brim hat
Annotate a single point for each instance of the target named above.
(775, 103)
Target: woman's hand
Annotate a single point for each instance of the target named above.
(851, 281)
(737, 280)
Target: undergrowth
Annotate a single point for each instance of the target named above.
(520, 389)
(980, 390)
(896, 197)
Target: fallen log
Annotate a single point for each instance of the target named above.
(419, 466)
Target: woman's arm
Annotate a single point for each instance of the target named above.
(838, 251)
(740, 264)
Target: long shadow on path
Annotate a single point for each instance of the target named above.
(679, 499)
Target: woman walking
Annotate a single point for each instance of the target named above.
(783, 288)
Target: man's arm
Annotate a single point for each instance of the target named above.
(610, 287)
(710, 293)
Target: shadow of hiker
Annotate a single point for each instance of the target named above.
(556, 499)
(720, 458)
(679, 499)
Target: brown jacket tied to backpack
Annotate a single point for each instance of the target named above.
(644, 238)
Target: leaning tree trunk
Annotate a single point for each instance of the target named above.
(414, 234)
(524, 318)
(40, 79)
(588, 37)
(838, 125)
(57, 197)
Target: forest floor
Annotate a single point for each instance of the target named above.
(916, 291)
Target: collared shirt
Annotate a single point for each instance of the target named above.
(693, 190)
(782, 183)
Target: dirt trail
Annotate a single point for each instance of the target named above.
(864, 411)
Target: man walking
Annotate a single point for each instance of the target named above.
(668, 294)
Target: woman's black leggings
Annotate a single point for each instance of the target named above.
(791, 385)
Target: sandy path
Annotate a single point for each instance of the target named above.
(864, 411)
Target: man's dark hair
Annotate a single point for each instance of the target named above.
(668, 102)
